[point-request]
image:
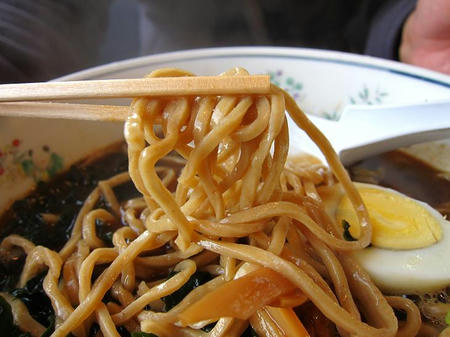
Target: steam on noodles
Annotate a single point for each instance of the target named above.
(219, 195)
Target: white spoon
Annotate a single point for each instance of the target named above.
(363, 131)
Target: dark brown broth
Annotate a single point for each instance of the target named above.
(406, 174)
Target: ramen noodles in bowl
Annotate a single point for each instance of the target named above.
(200, 225)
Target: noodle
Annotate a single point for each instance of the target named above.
(219, 196)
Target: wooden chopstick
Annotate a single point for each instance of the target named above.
(157, 86)
(65, 111)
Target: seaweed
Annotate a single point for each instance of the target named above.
(7, 326)
(197, 279)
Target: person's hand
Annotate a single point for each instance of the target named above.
(426, 36)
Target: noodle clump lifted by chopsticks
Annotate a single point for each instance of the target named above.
(218, 195)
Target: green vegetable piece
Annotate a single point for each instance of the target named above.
(197, 279)
(447, 318)
(347, 235)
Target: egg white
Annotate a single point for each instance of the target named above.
(413, 271)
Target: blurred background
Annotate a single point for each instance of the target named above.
(149, 27)
(44, 39)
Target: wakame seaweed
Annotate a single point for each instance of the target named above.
(7, 326)
(123, 332)
(209, 327)
(197, 279)
(36, 300)
(50, 329)
(63, 196)
(347, 235)
(9, 270)
(105, 232)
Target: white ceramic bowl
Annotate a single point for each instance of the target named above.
(322, 82)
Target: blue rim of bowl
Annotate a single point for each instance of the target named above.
(325, 56)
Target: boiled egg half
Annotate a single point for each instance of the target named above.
(410, 250)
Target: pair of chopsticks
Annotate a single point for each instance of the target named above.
(22, 100)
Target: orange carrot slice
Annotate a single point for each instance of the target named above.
(239, 298)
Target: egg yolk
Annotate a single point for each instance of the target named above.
(398, 222)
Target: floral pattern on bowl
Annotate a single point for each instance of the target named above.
(294, 87)
(369, 96)
(290, 84)
(17, 162)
